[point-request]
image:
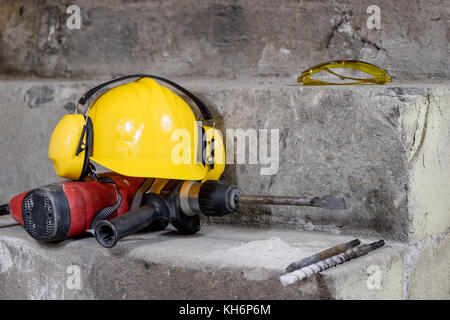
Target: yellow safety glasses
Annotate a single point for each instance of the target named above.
(380, 76)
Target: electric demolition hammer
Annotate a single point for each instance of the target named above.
(111, 206)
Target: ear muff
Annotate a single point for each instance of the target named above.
(70, 145)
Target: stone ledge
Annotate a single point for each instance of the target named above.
(216, 263)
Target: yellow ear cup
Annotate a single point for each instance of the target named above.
(214, 141)
(63, 147)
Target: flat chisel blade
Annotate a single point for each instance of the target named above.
(329, 202)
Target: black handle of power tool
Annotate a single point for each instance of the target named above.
(109, 232)
(4, 209)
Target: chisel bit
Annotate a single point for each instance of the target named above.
(327, 202)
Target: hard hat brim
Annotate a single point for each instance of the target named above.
(151, 168)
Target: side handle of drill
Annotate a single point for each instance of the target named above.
(154, 209)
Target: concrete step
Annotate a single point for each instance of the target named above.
(216, 263)
(382, 147)
(221, 38)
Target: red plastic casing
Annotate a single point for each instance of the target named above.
(87, 198)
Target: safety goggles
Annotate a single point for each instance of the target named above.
(380, 76)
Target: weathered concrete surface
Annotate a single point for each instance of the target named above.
(368, 144)
(217, 263)
(221, 38)
(383, 148)
(427, 126)
(427, 268)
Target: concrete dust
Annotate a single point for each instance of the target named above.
(273, 244)
(273, 253)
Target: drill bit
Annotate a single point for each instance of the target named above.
(325, 254)
(328, 202)
(352, 253)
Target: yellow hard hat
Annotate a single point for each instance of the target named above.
(139, 129)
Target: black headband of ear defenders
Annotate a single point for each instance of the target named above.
(206, 113)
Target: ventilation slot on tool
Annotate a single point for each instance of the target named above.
(38, 217)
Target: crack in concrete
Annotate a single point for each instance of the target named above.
(413, 251)
(334, 29)
(418, 144)
(354, 34)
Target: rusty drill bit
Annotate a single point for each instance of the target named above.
(328, 202)
(352, 253)
(325, 254)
